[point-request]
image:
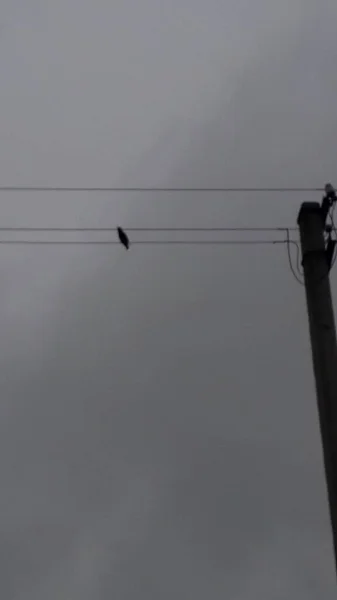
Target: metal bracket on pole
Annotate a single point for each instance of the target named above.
(328, 200)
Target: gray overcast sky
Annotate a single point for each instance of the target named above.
(158, 431)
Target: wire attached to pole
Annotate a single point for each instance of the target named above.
(288, 242)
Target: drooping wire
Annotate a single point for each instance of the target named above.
(298, 262)
(288, 243)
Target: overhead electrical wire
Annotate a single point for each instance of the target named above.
(259, 242)
(298, 275)
(209, 242)
(145, 229)
(144, 242)
(70, 189)
(64, 242)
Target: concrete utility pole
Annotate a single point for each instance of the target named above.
(316, 255)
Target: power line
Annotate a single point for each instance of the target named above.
(96, 243)
(143, 242)
(145, 229)
(12, 188)
(197, 229)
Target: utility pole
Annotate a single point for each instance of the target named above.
(316, 261)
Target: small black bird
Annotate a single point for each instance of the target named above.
(123, 238)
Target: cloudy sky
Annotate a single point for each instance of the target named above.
(158, 430)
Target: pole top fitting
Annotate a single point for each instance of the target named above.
(330, 192)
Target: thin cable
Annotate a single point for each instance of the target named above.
(288, 242)
(144, 229)
(142, 242)
(158, 189)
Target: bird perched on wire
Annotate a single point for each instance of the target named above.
(123, 238)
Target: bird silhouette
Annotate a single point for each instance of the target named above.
(123, 238)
